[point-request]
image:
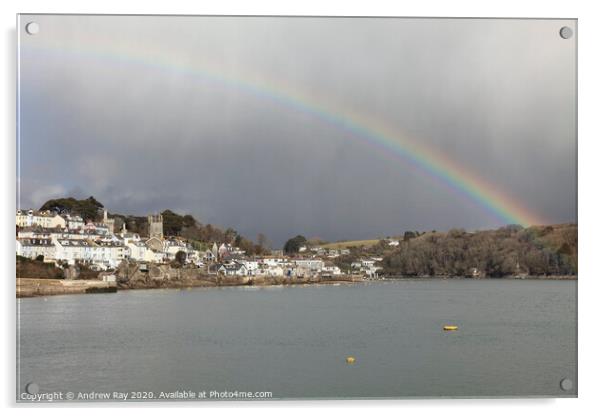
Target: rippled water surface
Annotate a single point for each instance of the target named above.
(515, 338)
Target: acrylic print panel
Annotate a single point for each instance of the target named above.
(259, 208)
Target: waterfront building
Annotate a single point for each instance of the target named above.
(252, 267)
(275, 271)
(313, 265)
(72, 250)
(104, 254)
(174, 245)
(110, 252)
(331, 270)
(232, 269)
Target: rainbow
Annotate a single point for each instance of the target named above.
(388, 142)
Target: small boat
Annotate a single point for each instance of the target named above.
(450, 327)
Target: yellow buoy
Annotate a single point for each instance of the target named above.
(450, 328)
(350, 360)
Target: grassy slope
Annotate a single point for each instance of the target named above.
(552, 237)
(352, 243)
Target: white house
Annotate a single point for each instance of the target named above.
(102, 253)
(306, 267)
(252, 267)
(128, 237)
(37, 232)
(74, 222)
(71, 250)
(274, 271)
(140, 252)
(367, 266)
(110, 253)
(46, 219)
(97, 228)
(314, 265)
(194, 256)
(367, 263)
(226, 250)
(372, 271)
(209, 256)
(34, 247)
(272, 261)
(331, 269)
(232, 269)
(172, 247)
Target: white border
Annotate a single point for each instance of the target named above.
(590, 152)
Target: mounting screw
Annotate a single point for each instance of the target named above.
(32, 388)
(566, 384)
(566, 32)
(32, 28)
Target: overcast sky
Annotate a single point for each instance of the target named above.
(107, 110)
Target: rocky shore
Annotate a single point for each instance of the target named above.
(49, 287)
(152, 276)
(134, 276)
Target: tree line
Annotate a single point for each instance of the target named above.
(510, 250)
(174, 225)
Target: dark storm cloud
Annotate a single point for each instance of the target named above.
(494, 95)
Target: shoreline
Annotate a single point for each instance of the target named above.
(28, 288)
(534, 277)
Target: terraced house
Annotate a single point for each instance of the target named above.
(46, 219)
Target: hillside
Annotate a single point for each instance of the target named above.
(174, 225)
(507, 251)
(349, 244)
(511, 250)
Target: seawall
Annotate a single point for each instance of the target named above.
(47, 287)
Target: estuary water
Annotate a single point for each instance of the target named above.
(515, 338)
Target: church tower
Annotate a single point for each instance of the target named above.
(155, 226)
(109, 222)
